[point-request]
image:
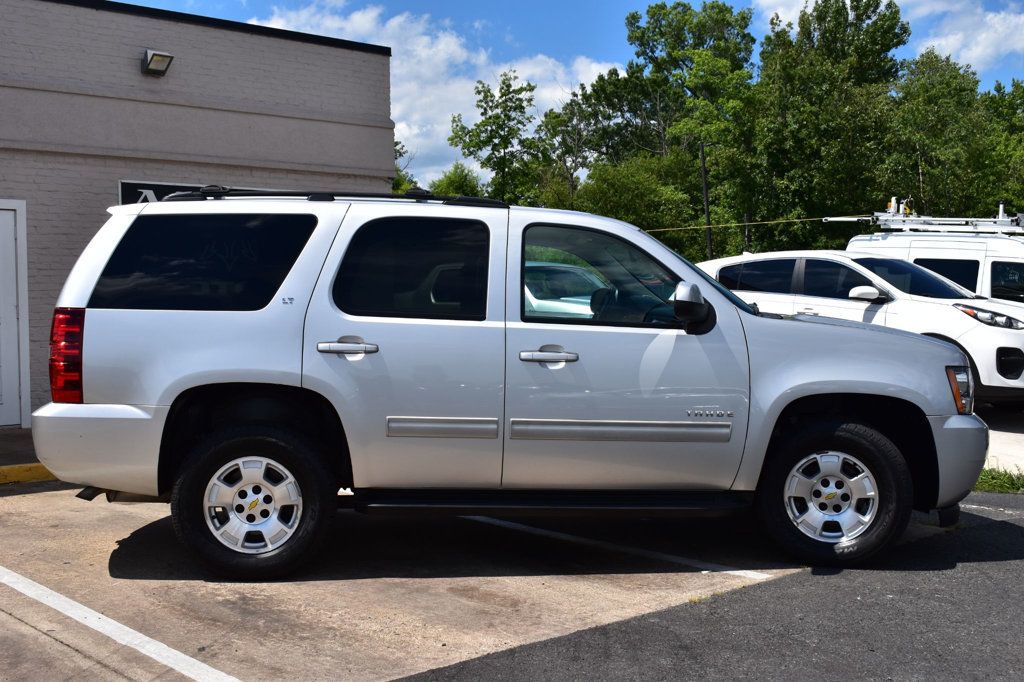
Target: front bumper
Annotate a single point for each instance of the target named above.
(961, 443)
(115, 447)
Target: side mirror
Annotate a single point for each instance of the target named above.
(866, 293)
(689, 306)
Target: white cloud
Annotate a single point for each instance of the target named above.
(433, 71)
(788, 10)
(974, 35)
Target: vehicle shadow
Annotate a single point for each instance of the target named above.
(363, 547)
(1001, 419)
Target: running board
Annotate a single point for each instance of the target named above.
(549, 502)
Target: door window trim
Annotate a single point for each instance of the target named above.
(586, 322)
(801, 267)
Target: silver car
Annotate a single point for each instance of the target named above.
(245, 356)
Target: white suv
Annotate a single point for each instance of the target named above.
(248, 356)
(868, 287)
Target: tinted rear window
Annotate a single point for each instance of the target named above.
(434, 268)
(963, 272)
(202, 262)
(765, 276)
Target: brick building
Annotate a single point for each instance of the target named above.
(82, 124)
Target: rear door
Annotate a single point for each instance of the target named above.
(405, 335)
(825, 290)
(768, 283)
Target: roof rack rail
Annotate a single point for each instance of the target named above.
(899, 216)
(415, 193)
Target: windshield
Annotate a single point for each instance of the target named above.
(913, 279)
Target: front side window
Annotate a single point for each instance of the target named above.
(829, 279)
(583, 276)
(963, 272)
(1008, 280)
(430, 268)
(202, 262)
(912, 279)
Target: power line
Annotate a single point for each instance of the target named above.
(760, 222)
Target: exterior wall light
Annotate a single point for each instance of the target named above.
(156, 63)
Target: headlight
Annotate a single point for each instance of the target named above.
(990, 318)
(961, 383)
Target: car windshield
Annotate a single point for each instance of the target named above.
(913, 279)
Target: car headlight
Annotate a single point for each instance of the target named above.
(990, 318)
(961, 383)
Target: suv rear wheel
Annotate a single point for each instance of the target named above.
(835, 493)
(253, 502)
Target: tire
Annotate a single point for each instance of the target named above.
(273, 500)
(831, 530)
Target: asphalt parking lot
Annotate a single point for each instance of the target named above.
(465, 599)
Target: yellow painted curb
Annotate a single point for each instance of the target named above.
(25, 473)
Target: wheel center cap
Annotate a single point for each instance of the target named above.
(253, 504)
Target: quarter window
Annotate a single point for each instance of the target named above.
(963, 272)
(829, 279)
(583, 276)
(433, 268)
(202, 262)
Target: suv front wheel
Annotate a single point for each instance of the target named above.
(253, 502)
(835, 493)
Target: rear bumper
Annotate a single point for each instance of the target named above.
(961, 443)
(116, 447)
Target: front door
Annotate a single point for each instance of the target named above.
(405, 335)
(825, 291)
(10, 388)
(604, 389)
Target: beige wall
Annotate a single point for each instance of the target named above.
(77, 116)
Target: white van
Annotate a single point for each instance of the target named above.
(984, 255)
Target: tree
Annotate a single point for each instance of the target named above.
(498, 140)
(457, 181)
(403, 180)
(941, 149)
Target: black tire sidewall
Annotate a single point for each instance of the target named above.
(289, 450)
(876, 452)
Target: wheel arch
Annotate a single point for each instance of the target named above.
(199, 410)
(903, 422)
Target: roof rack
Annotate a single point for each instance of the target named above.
(416, 194)
(899, 216)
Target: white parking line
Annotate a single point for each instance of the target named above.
(703, 566)
(186, 665)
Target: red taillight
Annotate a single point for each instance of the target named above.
(66, 336)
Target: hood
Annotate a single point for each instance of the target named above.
(994, 305)
(873, 328)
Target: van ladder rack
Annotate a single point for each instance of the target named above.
(415, 194)
(899, 217)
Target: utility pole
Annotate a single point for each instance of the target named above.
(707, 208)
(746, 232)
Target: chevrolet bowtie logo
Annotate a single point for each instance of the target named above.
(827, 497)
(252, 505)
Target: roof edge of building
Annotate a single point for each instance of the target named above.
(225, 24)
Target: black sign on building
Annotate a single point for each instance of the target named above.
(144, 192)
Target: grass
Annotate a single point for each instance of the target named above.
(999, 481)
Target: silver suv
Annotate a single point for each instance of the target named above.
(247, 356)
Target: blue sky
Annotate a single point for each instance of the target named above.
(441, 48)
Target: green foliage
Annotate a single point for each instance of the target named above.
(999, 481)
(833, 124)
(458, 181)
(403, 180)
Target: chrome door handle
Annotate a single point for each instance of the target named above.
(809, 311)
(339, 348)
(547, 356)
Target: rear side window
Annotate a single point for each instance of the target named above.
(1008, 280)
(433, 268)
(202, 262)
(963, 272)
(764, 276)
(829, 279)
